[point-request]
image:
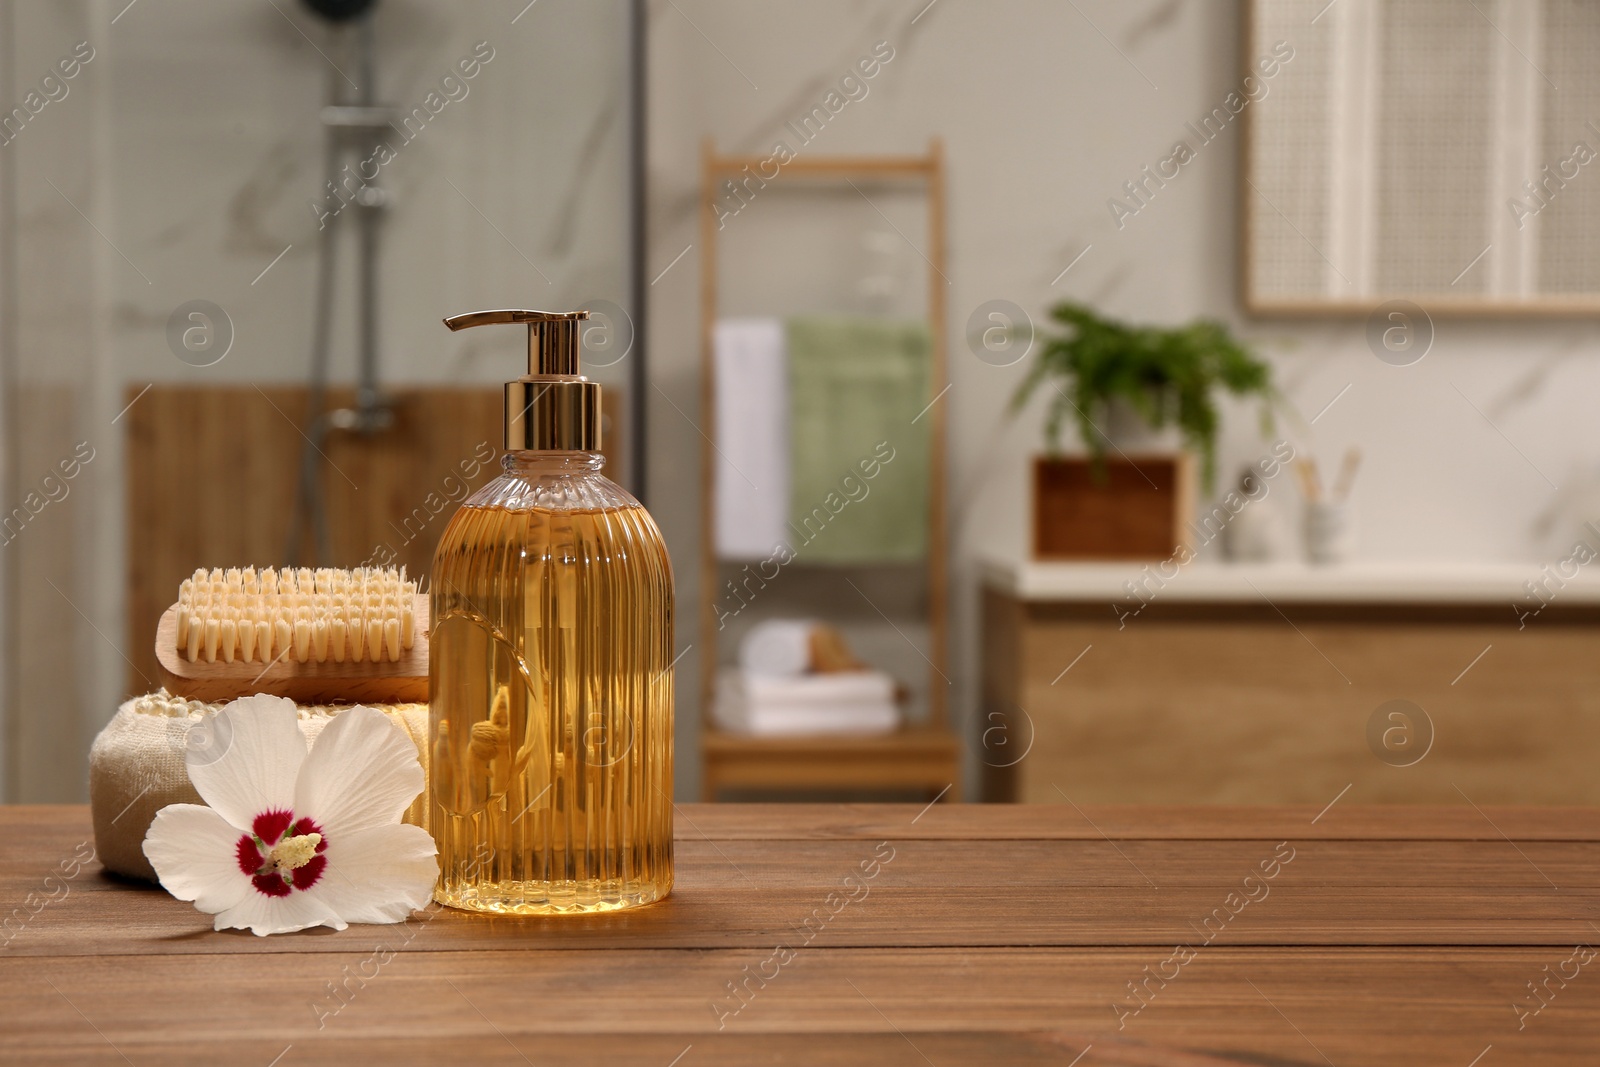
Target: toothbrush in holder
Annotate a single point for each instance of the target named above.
(1347, 475)
(1327, 519)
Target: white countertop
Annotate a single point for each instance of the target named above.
(1356, 582)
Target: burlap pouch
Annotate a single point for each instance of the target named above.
(136, 768)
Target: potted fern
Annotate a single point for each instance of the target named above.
(1099, 371)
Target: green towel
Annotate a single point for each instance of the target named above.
(859, 480)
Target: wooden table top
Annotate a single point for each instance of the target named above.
(955, 934)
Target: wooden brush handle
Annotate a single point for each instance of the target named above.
(830, 653)
(403, 681)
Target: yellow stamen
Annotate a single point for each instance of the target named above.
(292, 853)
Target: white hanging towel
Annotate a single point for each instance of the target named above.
(752, 423)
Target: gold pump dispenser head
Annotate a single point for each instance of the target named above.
(552, 408)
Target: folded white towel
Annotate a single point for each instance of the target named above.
(752, 433)
(779, 648)
(849, 688)
(852, 702)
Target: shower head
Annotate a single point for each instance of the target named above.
(341, 10)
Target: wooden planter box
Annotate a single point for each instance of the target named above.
(1137, 512)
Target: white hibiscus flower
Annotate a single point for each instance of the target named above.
(292, 840)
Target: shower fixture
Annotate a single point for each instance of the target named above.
(350, 122)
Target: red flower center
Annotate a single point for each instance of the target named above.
(265, 868)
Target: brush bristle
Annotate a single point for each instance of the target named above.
(303, 616)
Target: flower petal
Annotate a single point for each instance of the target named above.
(362, 773)
(270, 825)
(195, 854)
(263, 915)
(250, 760)
(379, 875)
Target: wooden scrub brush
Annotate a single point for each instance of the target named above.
(313, 635)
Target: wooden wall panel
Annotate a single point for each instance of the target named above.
(211, 476)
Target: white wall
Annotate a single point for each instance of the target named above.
(1043, 119)
(218, 151)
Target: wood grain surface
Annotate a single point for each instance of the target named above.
(987, 934)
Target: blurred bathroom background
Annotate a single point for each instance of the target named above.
(184, 159)
(186, 163)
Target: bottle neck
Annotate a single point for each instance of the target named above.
(551, 463)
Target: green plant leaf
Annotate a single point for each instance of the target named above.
(1169, 376)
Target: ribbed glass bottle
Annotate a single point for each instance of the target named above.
(550, 670)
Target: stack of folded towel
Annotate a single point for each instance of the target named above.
(796, 677)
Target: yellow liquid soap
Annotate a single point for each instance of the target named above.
(551, 695)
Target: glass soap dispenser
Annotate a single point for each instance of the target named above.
(550, 663)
